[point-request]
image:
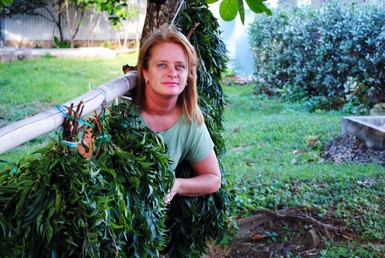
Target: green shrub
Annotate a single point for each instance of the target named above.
(60, 44)
(318, 55)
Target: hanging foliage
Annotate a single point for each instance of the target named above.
(195, 222)
(61, 204)
(202, 28)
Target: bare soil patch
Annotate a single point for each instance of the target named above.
(346, 148)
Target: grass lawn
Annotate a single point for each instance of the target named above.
(273, 148)
(273, 162)
(28, 87)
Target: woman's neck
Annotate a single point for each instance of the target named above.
(161, 114)
(160, 107)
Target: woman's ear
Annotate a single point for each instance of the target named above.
(145, 75)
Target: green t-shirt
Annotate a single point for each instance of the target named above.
(186, 141)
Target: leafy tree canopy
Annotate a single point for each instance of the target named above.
(115, 8)
(3, 2)
(22, 7)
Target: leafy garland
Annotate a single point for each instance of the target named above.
(212, 55)
(195, 222)
(60, 204)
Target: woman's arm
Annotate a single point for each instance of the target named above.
(207, 179)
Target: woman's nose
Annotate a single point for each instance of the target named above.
(172, 72)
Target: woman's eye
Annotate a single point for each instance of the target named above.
(161, 65)
(180, 67)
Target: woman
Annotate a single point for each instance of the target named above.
(167, 101)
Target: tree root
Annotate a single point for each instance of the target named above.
(300, 214)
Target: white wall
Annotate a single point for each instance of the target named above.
(96, 27)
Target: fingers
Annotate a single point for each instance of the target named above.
(171, 193)
(169, 197)
(167, 200)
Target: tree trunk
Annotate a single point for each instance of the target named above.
(70, 26)
(57, 19)
(159, 14)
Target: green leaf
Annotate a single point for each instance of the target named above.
(150, 252)
(211, 1)
(241, 10)
(257, 6)
(97, 222)
(228, 10)
(49, 232)
(51, 211)
(21, 201)
(136, 183)
(151, 190)
(115, 226)
(53, 164)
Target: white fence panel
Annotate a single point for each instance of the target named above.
(95, 26)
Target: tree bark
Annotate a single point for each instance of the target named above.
(57, 19)
(158, 15)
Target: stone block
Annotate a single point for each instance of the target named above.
(369, 129)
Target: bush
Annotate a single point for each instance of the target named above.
(329, 57)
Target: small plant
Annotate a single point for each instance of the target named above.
(48, 56)
(359, 96)
(272, 235)
(107, 44)
(60, 44)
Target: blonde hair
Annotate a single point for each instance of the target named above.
(188, 99)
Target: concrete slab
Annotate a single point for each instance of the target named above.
(369, 129)
(14, 54)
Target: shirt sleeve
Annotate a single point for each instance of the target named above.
(200, 144)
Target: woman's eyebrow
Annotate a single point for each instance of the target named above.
(169, 61)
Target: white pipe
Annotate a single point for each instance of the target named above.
(22, 131)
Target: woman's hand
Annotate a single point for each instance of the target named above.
(207, 180)
(172, 192)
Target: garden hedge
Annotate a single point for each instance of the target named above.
(330, 58)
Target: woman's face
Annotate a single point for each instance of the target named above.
(167, 72)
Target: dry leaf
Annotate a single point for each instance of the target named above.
(88, 141)
(258, 237)
(367, 182)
